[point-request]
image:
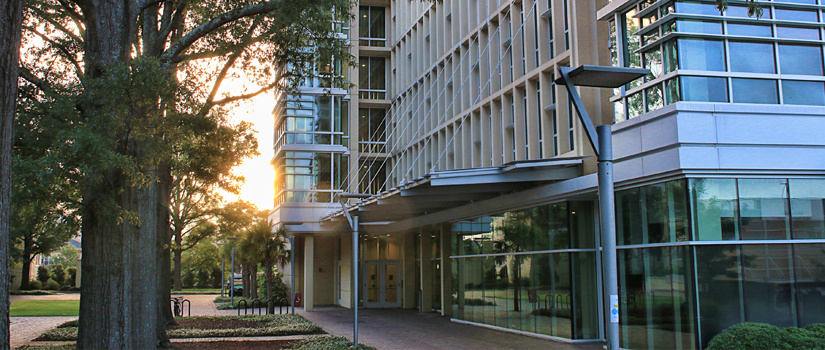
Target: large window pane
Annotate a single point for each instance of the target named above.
(810, 282)
(714, 209)
(718, 279)
(800, 59)
(797, 33)
(751, 57)
(796, 15)
(585, 308)
(754, 91)
(808, 208)
(763, 207)
(628, 217)
(704, 89)
(749, 30)
(696, 26)
(699, 54)
(803, 93)
(768, 284)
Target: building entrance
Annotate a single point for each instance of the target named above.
(380, 284)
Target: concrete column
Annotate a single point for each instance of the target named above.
(446, 271)
(426, 257)
(409, 285)
(309, 275)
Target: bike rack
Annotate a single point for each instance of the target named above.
(284, 302)
(188, 308)
(259, 306)
(246, 307)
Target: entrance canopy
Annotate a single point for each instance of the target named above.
(441, 190)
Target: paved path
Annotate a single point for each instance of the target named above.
(25, 329)
(406, 329)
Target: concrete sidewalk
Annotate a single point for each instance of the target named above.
(407, 329)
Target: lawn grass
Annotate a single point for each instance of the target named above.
(45, 308)
(198, 291)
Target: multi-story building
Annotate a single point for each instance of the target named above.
(484, 205)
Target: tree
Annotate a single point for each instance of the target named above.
(138, 56)
(58, 274)
(67, 256)
(11, 15)
(201, 260)
(205, 165)
(43, 274)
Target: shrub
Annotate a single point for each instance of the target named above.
(202, 278)
(188, 279)
(327, 342)
(35, 285)
(59, 334)
(69, 324)
(58, 274)
(52, 285)
(749, 335)
(478, 302)
(216, 277)
(42, 274)
(71, 276)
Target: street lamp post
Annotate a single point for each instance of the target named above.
(601, 139)
(353, 223)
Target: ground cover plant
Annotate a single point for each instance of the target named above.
(45, 307)
(753, 336)
(328, 342)
(213, 326)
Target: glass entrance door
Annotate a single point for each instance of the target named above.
(380, 284)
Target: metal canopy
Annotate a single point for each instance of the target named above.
(452, 188)
(604, 77)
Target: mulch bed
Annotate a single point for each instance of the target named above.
(232, 345)
(213, 323)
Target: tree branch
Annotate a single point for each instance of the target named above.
(244, 96)
(227, 17)
(62, 48)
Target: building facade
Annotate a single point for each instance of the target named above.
(484, 203)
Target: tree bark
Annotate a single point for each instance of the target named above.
(268, 279)
(119, 292)
(165, 316)
(27, 263)
(10, 26)
(178, 257)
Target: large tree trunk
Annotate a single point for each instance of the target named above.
(10, 21)
(177, 257)
(165, 316)
(120, 279)
(27, 263)
(268, 279)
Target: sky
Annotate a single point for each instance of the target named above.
(259, 174)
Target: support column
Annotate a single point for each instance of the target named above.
(409, 285)
(426, 257)
(446, 270)
(309, 275)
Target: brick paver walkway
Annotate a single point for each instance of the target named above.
(406, 329)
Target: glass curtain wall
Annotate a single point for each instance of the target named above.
(697, 256)
(530, 270)
(687, 44)
(309, 177)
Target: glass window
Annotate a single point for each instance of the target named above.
(705, 89)
(796, 15)
(811, 2)
(749, 30)
(671, 59)
(751, 57)
(718, 277)
(371, 22)
(803, 93)
(800, 59)
(742, 11)
(698, 54)
(697, 26)
(754, 91)
(768, 284)
(635, 107)
(697, 8)
(763, 209)
(672, 91)
(653, 61)
(808, 208)
(810, 282)
(653, 96)
(714, 209)
(797, 33)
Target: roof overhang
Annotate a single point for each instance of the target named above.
(442, 190)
